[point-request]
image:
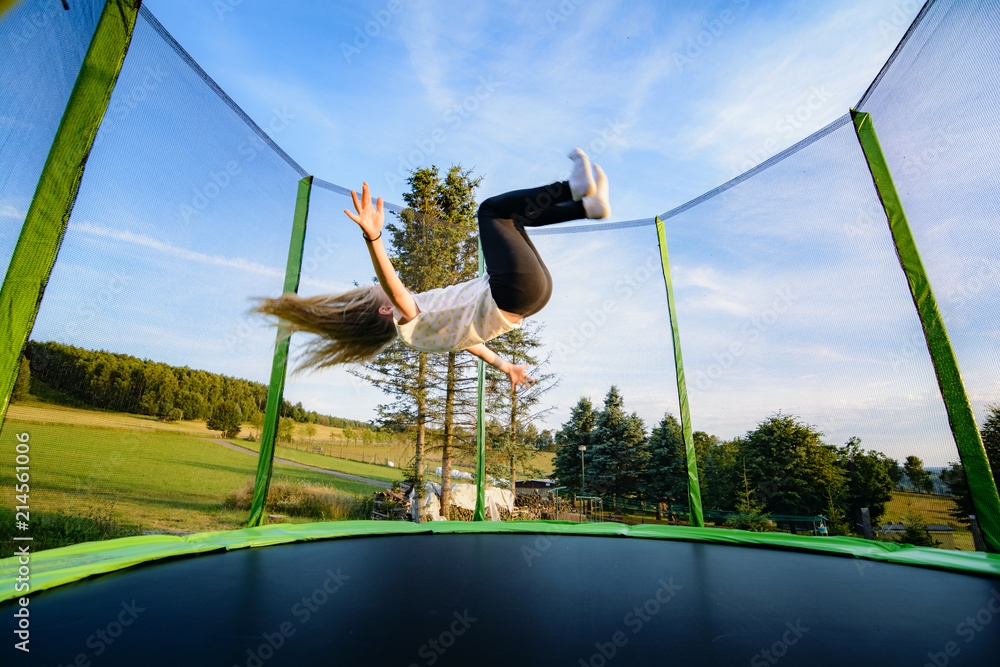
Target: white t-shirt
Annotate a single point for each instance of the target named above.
(454, 318)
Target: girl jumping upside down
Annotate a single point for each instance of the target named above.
(356, 325)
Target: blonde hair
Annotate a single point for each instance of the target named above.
(348, 326)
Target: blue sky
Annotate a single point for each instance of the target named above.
(672, 99)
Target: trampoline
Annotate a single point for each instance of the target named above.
(525, 592)
(531, 593)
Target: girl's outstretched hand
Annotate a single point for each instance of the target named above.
(518, 375)
(369, 218)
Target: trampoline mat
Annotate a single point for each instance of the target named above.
(494, 599)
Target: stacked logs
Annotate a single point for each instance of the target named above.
(392, 504)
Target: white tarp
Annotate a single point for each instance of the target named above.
(464, 496)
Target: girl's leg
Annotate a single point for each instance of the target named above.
(519, 280)
(535, 207)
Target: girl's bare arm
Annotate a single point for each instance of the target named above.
(517, 374)
(370, 219)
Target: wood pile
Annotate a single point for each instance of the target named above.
(392, 504)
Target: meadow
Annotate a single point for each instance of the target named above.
(98, 474)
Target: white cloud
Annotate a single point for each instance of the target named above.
(176, 252)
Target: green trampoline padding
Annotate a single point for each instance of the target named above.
(55, 567)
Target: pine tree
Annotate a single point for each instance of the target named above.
(433, 245)
(617, 457)
(575, 432)
(516, 409)
(665, 478)
(991, 440)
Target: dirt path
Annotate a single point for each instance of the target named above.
(343, 475)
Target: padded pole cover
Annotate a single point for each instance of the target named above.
(279, 366)
(956, 401)
(480, 513)
(45, 224)
(696, 516)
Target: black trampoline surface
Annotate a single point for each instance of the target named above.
(503, 599)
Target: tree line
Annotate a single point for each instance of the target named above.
(124, 383)
(782, 466)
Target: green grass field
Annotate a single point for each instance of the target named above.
(369, 470)
(152, 481)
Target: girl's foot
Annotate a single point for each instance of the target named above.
(598, 205)
(581, 183)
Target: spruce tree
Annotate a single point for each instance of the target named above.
(575, 432)
(991, 440)
(617, 457)
(433, 245)
(516, 409)
(665, 478)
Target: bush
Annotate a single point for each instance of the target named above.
(51, 530)
(916, 532)
(226, 418)
(303, 500)
(175, 414)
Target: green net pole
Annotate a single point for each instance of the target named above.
(45, 224)
(279, 366)
(696, 516)
(480, 513)
(960, 416)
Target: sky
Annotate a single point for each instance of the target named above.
(672, 99)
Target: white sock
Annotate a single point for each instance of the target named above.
(598, 205)
(581, 183)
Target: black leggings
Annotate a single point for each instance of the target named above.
(519, 281)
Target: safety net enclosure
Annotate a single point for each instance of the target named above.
(826, 300)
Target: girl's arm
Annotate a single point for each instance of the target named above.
(370, 219)
(517, 374)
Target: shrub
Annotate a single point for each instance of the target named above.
(303, 500)
(175, 414)
(226, 418)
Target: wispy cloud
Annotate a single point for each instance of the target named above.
(185, 254)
